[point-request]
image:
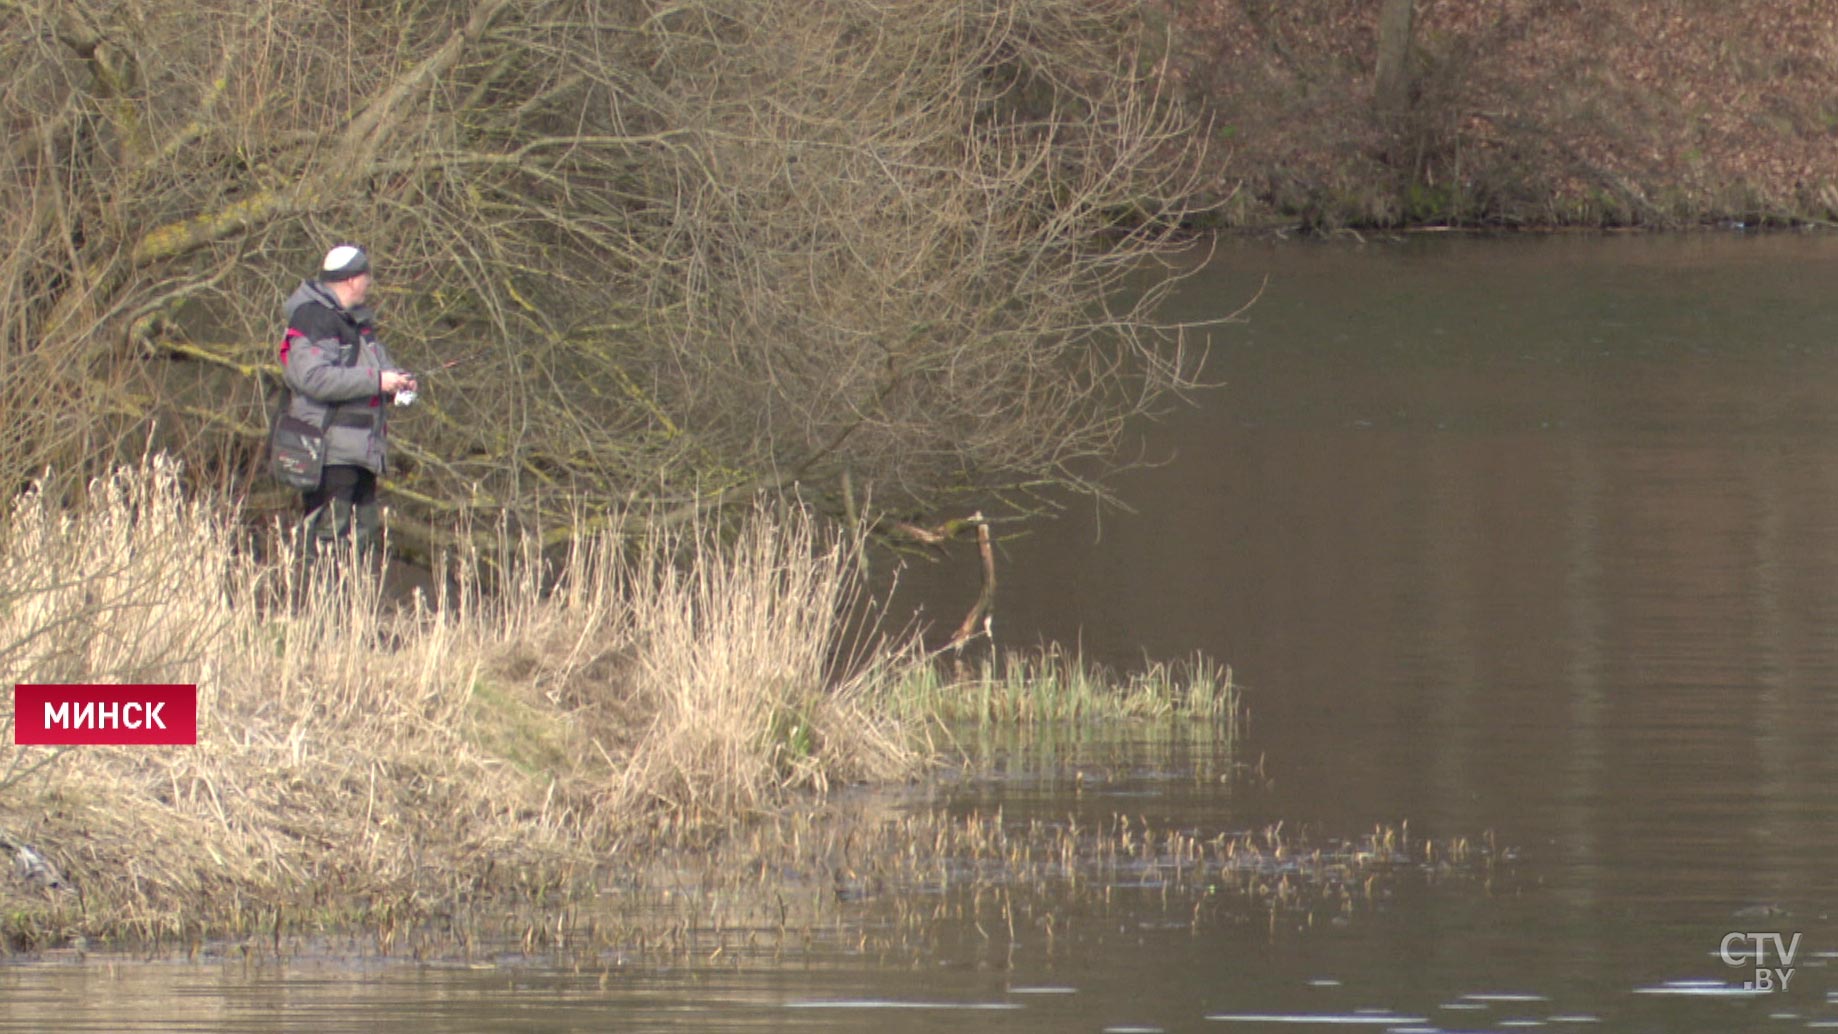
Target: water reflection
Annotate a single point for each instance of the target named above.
(1532, 535)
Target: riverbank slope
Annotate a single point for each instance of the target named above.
(1521, 113)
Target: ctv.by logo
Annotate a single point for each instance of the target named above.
(1734, 953)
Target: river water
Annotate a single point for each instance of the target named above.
(1530, 544)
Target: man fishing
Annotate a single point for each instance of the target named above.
(339, 376)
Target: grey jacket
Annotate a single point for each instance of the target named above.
(333, 365)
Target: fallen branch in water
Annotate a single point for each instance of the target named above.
(979, 617)
(980, 611)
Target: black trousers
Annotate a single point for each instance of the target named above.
(342, 508)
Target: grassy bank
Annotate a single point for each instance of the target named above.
(362, 761)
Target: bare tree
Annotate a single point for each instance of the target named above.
(675, 252)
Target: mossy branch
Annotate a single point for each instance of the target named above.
(163, 243)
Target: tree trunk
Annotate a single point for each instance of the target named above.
(1391, 93)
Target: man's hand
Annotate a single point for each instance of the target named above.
(397, 380)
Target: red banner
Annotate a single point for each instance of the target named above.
(89, 714)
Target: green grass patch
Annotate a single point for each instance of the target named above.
(504, 725)
(1053, 685)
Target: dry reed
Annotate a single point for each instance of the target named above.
(360, 758)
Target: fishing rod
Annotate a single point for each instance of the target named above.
(468, 357)
(404, 398)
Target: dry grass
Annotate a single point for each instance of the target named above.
(735, 654)
(365, 762)
(360, 759)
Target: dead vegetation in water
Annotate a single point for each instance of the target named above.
(919, 885)
(1030, 877)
